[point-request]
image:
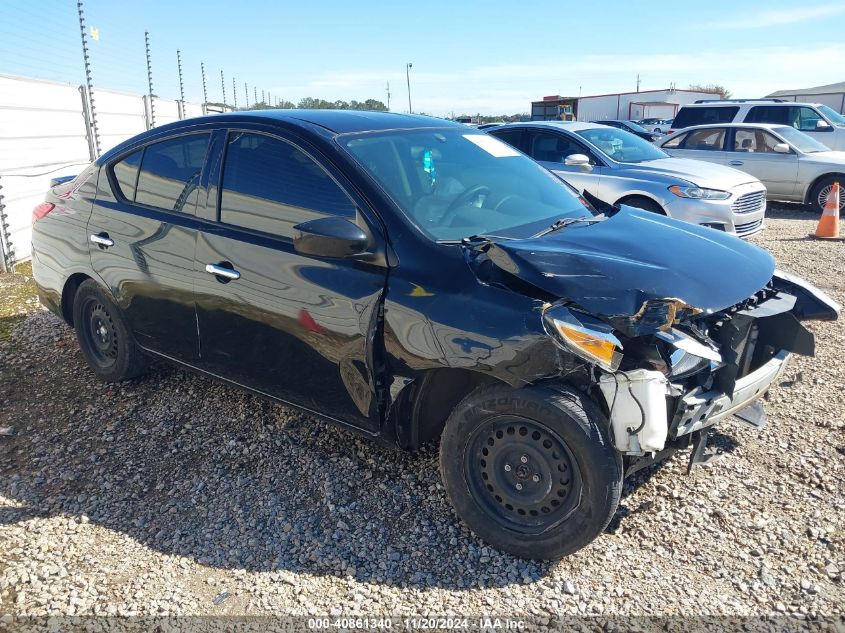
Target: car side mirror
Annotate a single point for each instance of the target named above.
(782, 148)
(582, 161)
(823, 125)
(330, 237)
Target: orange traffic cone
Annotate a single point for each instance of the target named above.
(828, 228)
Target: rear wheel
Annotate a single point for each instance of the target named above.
(104, 338)
(646, 204)
(531, 470)
(821, 190)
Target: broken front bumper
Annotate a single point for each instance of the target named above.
(699, 409)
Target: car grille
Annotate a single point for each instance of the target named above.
(748, 228)
(749, 202)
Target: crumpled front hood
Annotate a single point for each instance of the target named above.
(697, 172)
(612, 267)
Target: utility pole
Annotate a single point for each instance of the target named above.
(204, 87)
(94, 132)
(223, 86)
(388, 96)
(408, 67)
(235, 91)
(150, 79)
(255, 93)
(638, 82)
(246, 96)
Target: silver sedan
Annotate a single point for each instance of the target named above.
(793, 165)
(619, 167)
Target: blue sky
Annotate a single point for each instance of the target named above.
(491, 57)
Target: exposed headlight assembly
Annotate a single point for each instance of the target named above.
(586, 337)
(699, 193)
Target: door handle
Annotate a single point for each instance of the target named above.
(222, 271)
(102, 239)
(736, 162)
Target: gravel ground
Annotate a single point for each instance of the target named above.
(174, 494)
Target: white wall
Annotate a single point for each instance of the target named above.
(636, 105)
(43, 135)
(834, 100)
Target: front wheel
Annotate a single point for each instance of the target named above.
(531, 470)
(103, 335)
(821, 190)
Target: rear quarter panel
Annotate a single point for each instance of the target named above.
(60, 240)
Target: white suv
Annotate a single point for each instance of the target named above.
(819, 121)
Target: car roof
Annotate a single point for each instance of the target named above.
(573, 126)
(333, 121)
(765, 126)
(719, 103)
(342, 121)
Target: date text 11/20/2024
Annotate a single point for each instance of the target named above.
(484, 623)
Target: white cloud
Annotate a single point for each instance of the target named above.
(509, 88)
(780, 17)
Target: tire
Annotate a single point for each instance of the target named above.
(645, 204)
(103, 335)
(549, 440)
(818, 194)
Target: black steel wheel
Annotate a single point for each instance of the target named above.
(104, 338)
(531, 470)
(100, 334)
(522, 473)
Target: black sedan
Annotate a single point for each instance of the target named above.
(633, 128)
(419, 281)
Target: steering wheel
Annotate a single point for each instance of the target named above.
(464, 198)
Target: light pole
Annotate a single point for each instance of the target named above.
(408, 67)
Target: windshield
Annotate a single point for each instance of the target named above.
(801, 141)
(622, 146)
(832, 115)
(457, 183)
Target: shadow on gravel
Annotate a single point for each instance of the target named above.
(195, 469)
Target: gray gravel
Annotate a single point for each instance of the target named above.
(174, 494)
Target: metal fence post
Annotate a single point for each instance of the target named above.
(181, 85)
(204, 90)
(7, 261)
(150, 80)
(90, 134)
(92, 112)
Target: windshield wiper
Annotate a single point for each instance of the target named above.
(564, 222)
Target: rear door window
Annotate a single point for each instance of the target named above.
(706, 115)
(126, 174)
(512, 137)
(170, 171)
(711, 139)
(554, 148)
(769, 114)
(269, 185)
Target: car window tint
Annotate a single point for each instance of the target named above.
(687, 117)
(170, 171)
(126, 174)
(675, 142)
(751, 140)
(270, 186)
(554, 148)
(511, 137)
(769, 114)
(711, 139)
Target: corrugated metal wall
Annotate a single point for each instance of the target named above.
(43, 134)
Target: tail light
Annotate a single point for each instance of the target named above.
(41, 210)
(668, 132)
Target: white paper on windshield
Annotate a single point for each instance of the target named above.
(491, 145)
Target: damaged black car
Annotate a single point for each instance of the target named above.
(418, 281)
